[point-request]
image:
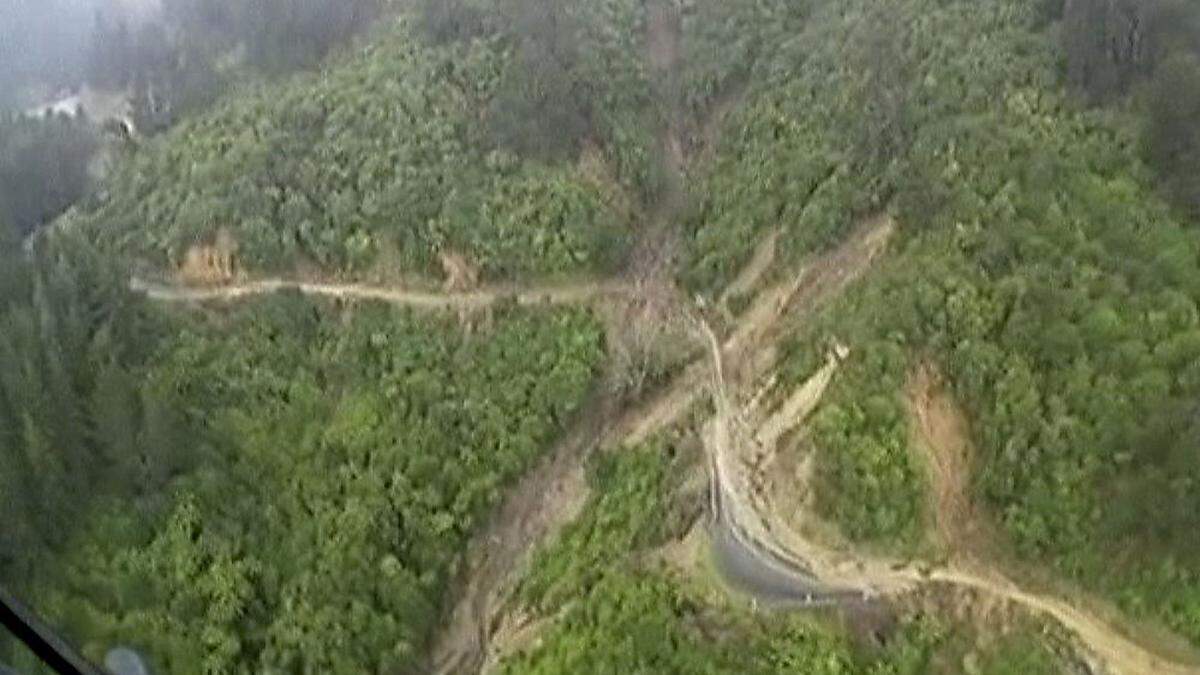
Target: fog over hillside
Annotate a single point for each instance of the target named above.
(43, 43)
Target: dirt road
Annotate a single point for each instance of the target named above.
(772, 559)
(564, 294)
(549, 498)
(744, 552)
(751, 341)
(553, 495)
(840, 573)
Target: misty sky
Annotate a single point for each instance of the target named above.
(42, 39)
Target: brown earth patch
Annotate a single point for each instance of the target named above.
(210, 264)
(460, 274)
(942, 434)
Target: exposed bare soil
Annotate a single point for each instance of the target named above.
(742, 439)
(752, 274)
(943, 429)
(941, 433)
(545, 500)
(555, 492)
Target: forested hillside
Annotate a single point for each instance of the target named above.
(78, 423)
(423, 143)
(289, 485)
(336, 457)
(620, 605)
(271, 473)
(135, 68)
(1038, 268)
(1143, 57)
(350, 457)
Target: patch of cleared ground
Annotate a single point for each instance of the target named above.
(942, 435)
(943, 431)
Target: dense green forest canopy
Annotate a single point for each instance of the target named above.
(76, 423)
(1146, 55)
(224, 450)
(304, 500)
(1038, 269)
(575, 70)
(289, 485)
(171, 63)
(380, 163)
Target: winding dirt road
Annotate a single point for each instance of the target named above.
(547, 500)
(817, 573)
(564, 294)
(744, 553)
(747, 519)
(781, 564)
(552, 495)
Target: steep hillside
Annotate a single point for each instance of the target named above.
(398, 154)
(1037, 267)
(615, 592)
(343, 457)
(915, 332)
